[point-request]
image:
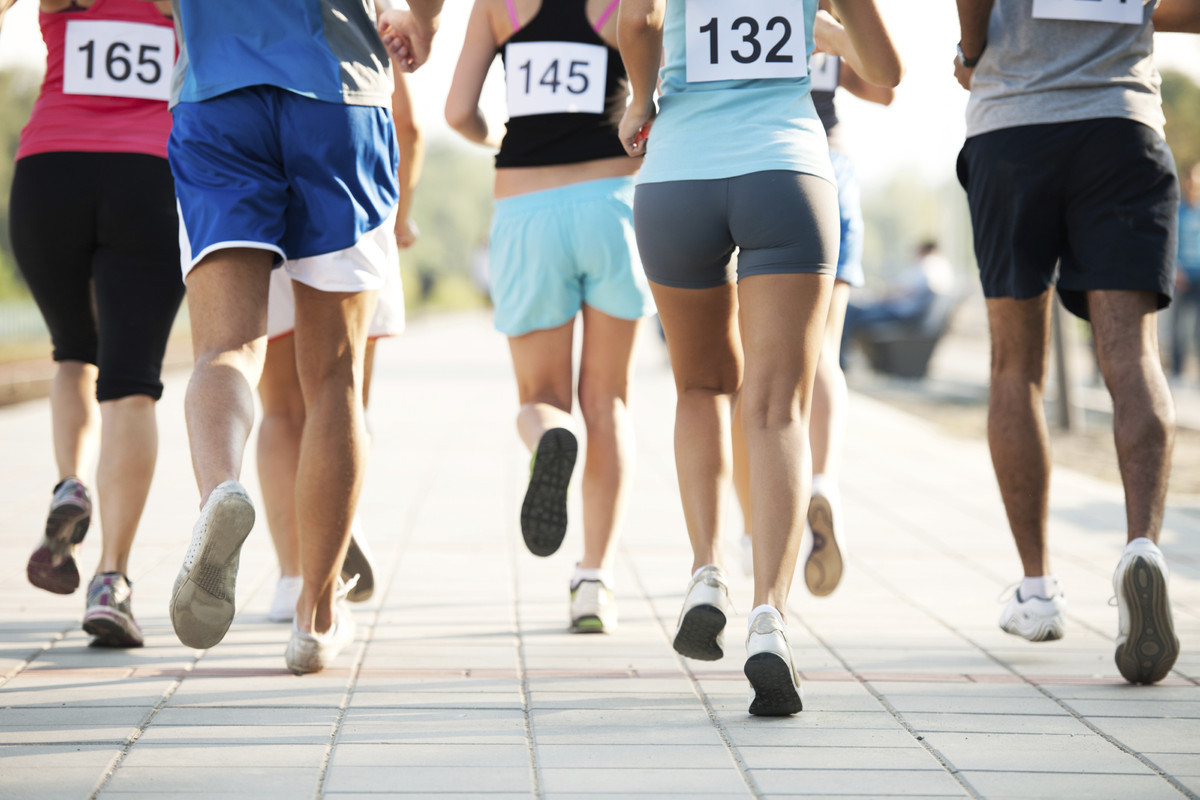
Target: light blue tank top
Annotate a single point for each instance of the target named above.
(324, 49)
(724, 128)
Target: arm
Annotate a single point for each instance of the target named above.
(878, 62)
(5, 5)
(1177, 16)
(830, 37)
(462, 103)
(412, 155)
(639, 33)
(853, 83)
(973, 18)
(408, 35)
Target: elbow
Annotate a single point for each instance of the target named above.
(458, 117)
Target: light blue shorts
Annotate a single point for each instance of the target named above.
(555, 250)
(849, 267)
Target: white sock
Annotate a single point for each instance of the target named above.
(701, 569)
(1044, 587)
(763, 609)
(605, 576)
(1141, 541)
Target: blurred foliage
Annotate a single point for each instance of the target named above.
(1181, 105)
(18, 89)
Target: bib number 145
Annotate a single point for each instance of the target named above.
(746, 40)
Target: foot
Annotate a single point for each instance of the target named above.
(52, 566)
(827, 559)
(109, 615)
(287, 592)
(313, 652)
(358, 562)
(699, 633)
(1146, 643)
(544, 511)
(774, 683)
(1037, 619)
(202, 602)
(593, 609)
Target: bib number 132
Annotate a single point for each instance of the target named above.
(746, 40)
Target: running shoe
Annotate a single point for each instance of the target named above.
(593, 609)
(544, 511)
(287, 593)
(1037, 619)
(313, 652)
(1146, 643)
(52, 565)
(770, 668)
(202, 602)
(358, 562)
(827, 557)
(699, 633)
(109, 616)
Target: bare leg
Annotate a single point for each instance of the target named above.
(331, 339)
(604, 375)
(706, 357)
(227, 302)
(279, 449)
(1126, 333)
(782, 319)
(1017, 434)
(542, 366)
(128, 452)
(829, 391)
(75, 418)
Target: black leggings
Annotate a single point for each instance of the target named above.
(96, 236)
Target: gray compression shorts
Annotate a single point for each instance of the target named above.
(781, 222)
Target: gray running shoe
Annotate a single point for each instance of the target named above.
(699, 634)
(52, 566)
(109, 616)
(202, 602)
(1146, 642)
(770, 668)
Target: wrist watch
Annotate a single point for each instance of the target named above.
(969, 63)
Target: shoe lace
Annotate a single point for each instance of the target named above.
(343, 588)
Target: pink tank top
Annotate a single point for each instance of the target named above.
(108, 78)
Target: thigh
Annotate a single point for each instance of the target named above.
(227, 302)
(683, 233)
(542, 365)
(606, 362)
(1124, 326)
(53, 238)
(1020, 336)
(784, 223)
(701, 329)
(330, 339)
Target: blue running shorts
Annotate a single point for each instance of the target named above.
(849, 266)
(553, 251)
(269, 169)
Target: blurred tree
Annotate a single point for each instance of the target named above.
(18, 88)
(1181, 105)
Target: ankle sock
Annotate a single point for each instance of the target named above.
(1044, 587)
(605, 576)
(763, 609)
(701, 569)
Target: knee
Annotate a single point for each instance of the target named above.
(1013, 369)
(600, 409)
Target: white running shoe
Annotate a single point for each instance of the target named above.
(593, 609)
(358, 562)
(1035, 618)
(1146, 643)
(202, 601)
(770, 668)
(287, 592)
(826, 559)
(313, 652)
(699, 633)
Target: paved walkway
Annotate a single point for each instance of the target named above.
(464, 683)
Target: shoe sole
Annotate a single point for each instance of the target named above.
(109, 630)
(313, 659)
(544, 510)
(823, 569)
(775, 693)
(699, 632)
(1149, 652)
(588, 624)
(1050, 631)
(357, 563)
(201, 608)
(65, 528)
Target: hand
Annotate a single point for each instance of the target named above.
(407, 38)
(406, 233)
(634, 129)
(963, 74)
(826, 33)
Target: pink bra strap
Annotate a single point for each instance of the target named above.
(512, 15)
(608, 12)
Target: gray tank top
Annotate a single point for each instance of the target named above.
(1036, 70)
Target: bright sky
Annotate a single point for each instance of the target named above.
(922, 130)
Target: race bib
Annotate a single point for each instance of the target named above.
(823, 72)
(1128, 12)
(745, 40)
(555, 78)
(118, 59)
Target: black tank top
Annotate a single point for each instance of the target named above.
(559, 113)
(825, 72)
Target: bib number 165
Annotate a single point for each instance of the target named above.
(744, 41)
(118, 59)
